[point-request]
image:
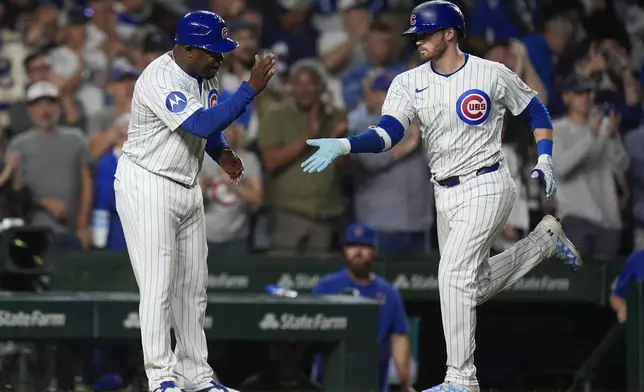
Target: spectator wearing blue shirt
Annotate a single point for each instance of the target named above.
(545, 49)
(360, 248)
(107, 232)
(495, 20)
(380, 56)
(633, 270)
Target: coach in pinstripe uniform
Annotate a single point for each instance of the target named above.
(176, 118)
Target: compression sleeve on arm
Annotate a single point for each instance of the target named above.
(207, 122)
(537, 114)
(215, 144)
(381, 137)
(539, 118)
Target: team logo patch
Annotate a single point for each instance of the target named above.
(358, 232)
(412, 20)
(176, 101)
(212, 98)
(224, 32)
(473, 107)
(522, 84)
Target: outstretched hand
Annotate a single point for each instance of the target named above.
(328, 150)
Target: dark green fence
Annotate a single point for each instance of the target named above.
(415, 279)
(534, 336)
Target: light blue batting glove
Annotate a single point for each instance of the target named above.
(545, 171)
(329, 149)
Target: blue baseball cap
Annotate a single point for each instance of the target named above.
(383, 81)
(578, 83)
(109, 382)
(121, 73)
(361, 234)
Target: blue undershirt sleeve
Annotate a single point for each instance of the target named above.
(538, 117)
(381, 137)
(537, 114)
(215, 144)
(207, 122)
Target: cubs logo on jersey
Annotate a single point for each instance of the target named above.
(212, 98)
(473, 107)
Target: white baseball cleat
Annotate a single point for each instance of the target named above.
(216, 387)
(564, 248)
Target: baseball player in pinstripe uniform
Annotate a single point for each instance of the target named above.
(175, 119)
(459, 101)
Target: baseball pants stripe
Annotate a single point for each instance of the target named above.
(469, 217)
(164, 229)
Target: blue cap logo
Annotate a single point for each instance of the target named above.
(359, 233)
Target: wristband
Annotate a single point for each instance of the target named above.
(544, 146)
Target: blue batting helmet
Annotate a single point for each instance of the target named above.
(435, 15)
(205, 30)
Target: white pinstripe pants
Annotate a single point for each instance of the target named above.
(469, 217)
(165, 232)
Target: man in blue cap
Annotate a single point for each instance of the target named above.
(360, 249)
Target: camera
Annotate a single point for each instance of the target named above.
(23, 250)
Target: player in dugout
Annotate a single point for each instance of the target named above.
(360, 250)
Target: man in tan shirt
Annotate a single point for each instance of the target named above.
(304, 207)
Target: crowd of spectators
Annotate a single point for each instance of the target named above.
(67, 71)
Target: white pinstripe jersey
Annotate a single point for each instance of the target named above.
(164, 97)
(460, 115)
